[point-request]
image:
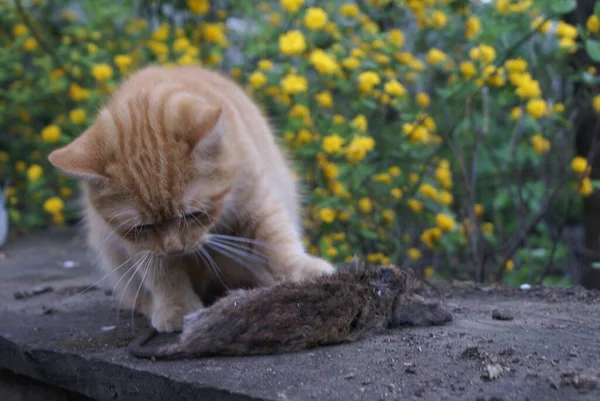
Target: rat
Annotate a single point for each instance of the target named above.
(357, 300)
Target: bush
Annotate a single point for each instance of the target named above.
(435, 133)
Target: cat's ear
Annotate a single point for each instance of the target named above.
(80, 159)
(208, 129)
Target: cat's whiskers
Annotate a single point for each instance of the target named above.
(96, 283)
(149, 266)
(137, 265)
(241, 247)
(111, 233)
(212, 264)
(237, 255)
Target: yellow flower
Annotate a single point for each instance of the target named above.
(473, 27)
(30, 44)
(396, 193)
(301, 111)
(428, 191)
(536, 108)
(423, 100)
(468, 69)
(54, 205)
(199, 7)
(358, 148)
(19, 30)
(338, 236)
(388, 216)
(323, 62)
(516, 65)
(580, 165)
(566, 31)
(102, 72)
(349, 10)
(292, 43)
(351, 63)
(123, 61)
(445, 222)
(428, 272)
(291, 6)
(509, 266)
(315, 18)
(338, 119)
(539, 24)
(331, 251)
(568, 44)
(257, 79)
(540, 144)
(78, 116)
(365, 205)
(382, 177)
(327, 215)
(181, 44)
(415, 205)
(484, 53)
(414, 253)
(367, 80)
(360, 122)
(394, 88)
(20, 166)
(586, 188)
(596, 103)
(66, 192)
(214, 33)
(431, 237)
(515, 113)
(487, 229)
(396, 36)
(330, 171)
(293, 84)
(444, 198)
(559, 108)
(439, 19)
(34, 172)
(265, 65)
(435, 56)
(51, 133)
(324, 99)
(395, 171)
(332, 143)
(593, 24)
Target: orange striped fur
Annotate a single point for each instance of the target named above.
(176, 156)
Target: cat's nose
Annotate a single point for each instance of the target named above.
(173, 246)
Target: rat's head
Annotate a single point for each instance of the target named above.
(157, 164)
(418, 304)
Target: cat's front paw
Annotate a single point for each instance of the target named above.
(311, 267)
(169, 318)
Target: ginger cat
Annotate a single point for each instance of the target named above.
(186, 194)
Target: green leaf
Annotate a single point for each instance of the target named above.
(563, 6)
(597, 9)
(593, 49)
(368, 234)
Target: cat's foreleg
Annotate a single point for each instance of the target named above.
(272, 225)
(173, 296)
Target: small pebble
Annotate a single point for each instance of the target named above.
(108, 328)
(69, 264)
(499, 314)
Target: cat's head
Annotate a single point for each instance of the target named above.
(156, 164)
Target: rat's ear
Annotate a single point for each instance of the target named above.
(355, 265)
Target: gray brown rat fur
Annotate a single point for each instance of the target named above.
(354, 302)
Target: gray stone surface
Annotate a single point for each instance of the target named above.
(549, 349)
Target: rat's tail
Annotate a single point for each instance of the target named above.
(138, 349)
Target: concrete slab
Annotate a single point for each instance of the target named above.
(550, 350)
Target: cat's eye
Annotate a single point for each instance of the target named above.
(141, 229)
(194, 216)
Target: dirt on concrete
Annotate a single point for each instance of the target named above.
(504, 344)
